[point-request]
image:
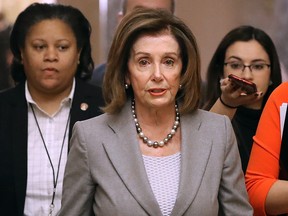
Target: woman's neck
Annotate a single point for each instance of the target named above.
(254, 106)
(49, 102)
(156, 124)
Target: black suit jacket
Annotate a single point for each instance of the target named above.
(13, 139)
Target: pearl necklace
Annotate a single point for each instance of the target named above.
(145, 139)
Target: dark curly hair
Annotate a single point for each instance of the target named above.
(38, 12)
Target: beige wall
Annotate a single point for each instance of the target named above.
(11, 8)
(90, 8)
(209, 20)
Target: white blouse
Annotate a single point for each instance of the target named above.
(163, 174)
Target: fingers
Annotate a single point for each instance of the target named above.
(259, 93)
(230, 87)
(235, 96)
(227, 87)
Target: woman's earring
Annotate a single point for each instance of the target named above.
(126, 86)
(180, 86)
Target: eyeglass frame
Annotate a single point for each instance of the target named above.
(249, 66)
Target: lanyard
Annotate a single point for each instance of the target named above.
(55, 178)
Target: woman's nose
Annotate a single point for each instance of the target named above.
(247, 73)
(157, 74)
(51, 54)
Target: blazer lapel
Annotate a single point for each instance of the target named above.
(86, 103)
(19, 123)
(126, 157)
(195, 152)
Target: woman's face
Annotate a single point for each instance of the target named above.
(50, 56)
(154, 70)
(249, 53)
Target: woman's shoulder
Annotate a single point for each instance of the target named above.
(206, 118)
(208, 125)
(280, 94)
(204, 114)
(93, 122)
(11, 94)
(283, 87)
(88, 89)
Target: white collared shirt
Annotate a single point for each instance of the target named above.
(40, 175)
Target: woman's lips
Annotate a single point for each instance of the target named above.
(50, 69)
(157, 91)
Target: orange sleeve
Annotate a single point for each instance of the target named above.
(263, 166)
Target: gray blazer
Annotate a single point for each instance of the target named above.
(105, 174)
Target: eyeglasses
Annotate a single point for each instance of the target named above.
(239, 66)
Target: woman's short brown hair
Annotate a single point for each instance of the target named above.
(150, 22)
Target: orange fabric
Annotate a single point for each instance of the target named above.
(263, 167)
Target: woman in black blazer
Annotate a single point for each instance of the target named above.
(52, 59)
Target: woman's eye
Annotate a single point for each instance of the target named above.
(169, 62)
(62, 48)
(143, 62)
(257, 66)
(236, 65)
(39, 47)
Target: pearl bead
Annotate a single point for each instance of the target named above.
(149, 143)
(155, 144)
(161, 143)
